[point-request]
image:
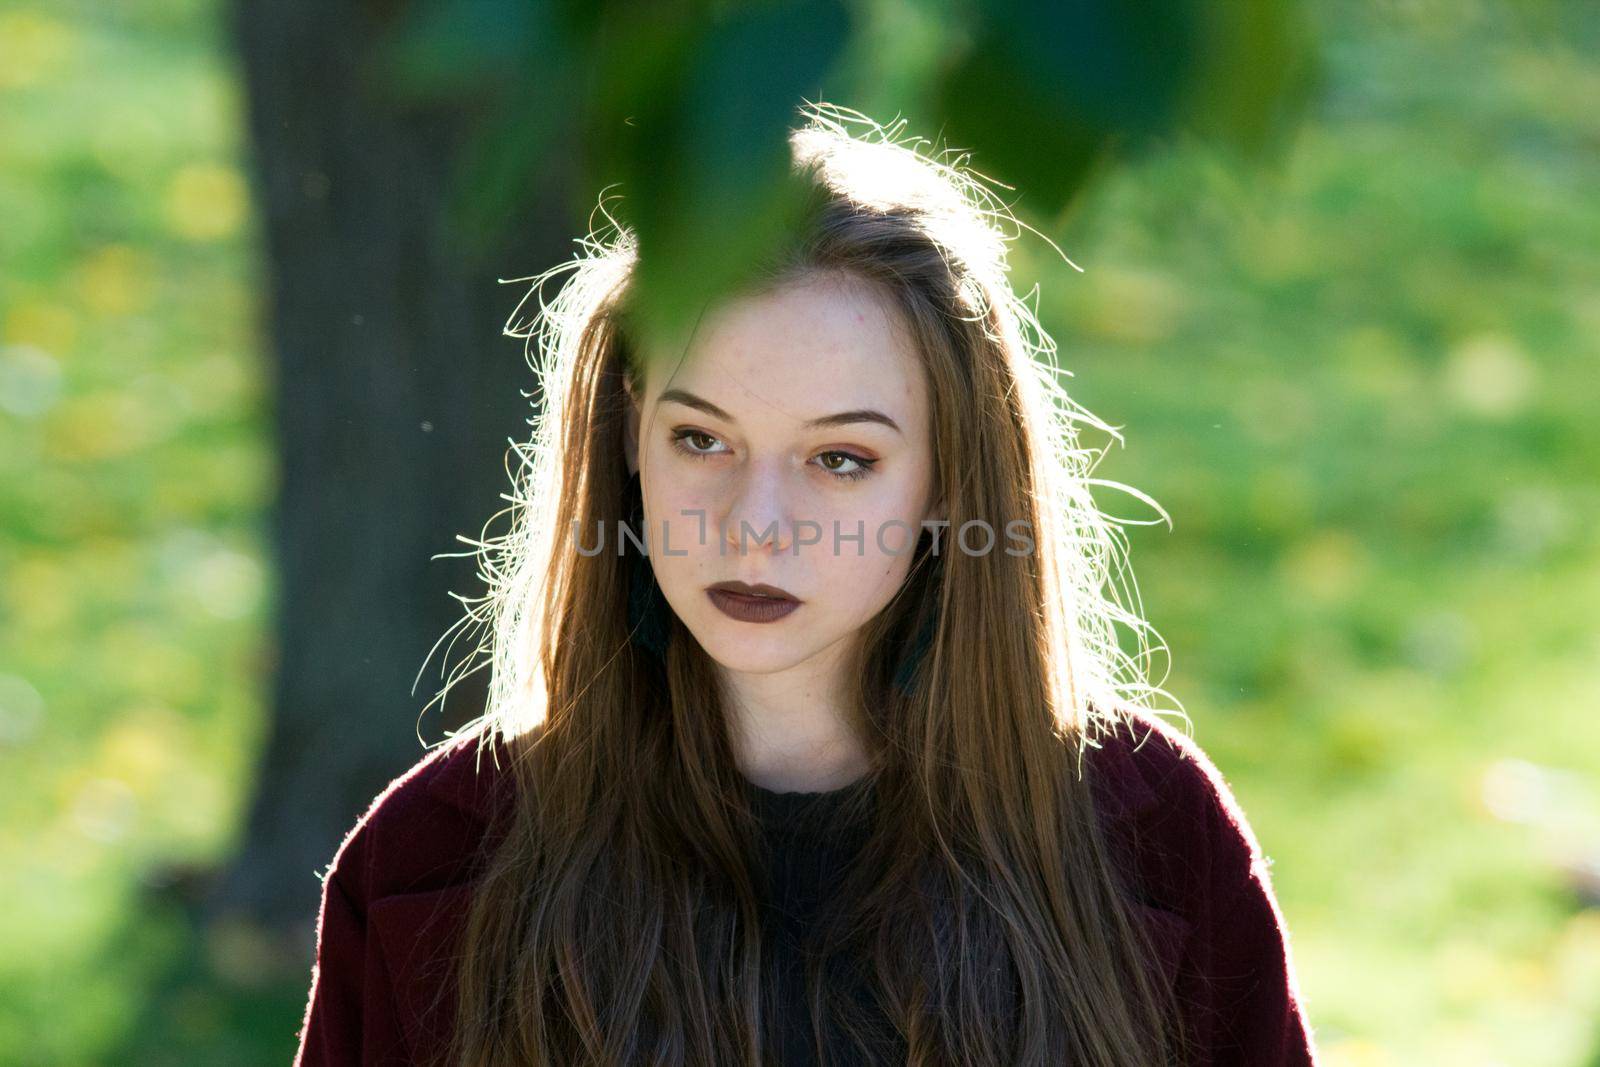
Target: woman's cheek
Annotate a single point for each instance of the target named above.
(872, 574)
(686, 518)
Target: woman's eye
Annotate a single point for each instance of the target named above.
(695, 437)
(845, 466)
(862, 468)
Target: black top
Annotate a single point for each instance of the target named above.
(811, 839)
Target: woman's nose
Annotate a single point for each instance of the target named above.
(758, 517)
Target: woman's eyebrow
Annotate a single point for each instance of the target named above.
(842, 418)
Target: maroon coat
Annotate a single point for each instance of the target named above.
(401, 881)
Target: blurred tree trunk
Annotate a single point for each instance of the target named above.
(395, 394)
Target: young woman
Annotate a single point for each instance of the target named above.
(810, 738)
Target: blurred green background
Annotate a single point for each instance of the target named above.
(1363, 381)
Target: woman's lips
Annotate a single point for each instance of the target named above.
(759, 609)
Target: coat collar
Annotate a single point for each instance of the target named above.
(413, 938)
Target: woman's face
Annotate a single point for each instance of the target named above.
(791, 447)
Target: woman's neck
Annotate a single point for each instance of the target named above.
(792, 731)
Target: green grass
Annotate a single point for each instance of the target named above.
(1362, 381)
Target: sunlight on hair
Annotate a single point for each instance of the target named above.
(1092, 594)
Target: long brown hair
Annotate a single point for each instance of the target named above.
(618, 916)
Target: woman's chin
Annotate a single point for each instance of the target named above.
(747, 659)
(751, 649)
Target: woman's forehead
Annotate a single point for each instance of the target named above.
(809, 349)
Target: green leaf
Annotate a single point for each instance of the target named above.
(1048, 91)
(706, 170)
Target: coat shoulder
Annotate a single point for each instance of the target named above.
(1196, 855)
(1167, 806)
(427, 827)
(394, 899)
